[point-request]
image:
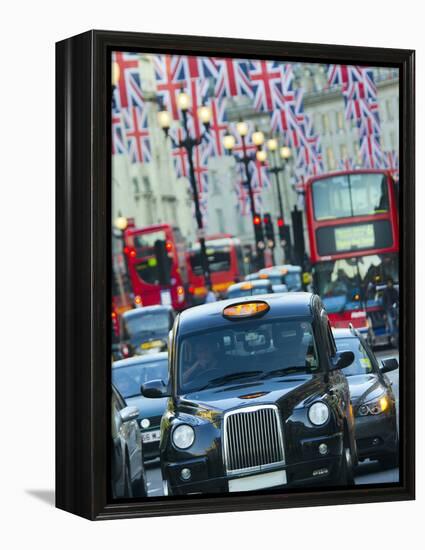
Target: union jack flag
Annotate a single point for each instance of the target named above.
(243, 205)
(283, 115)
(171, 77)
(201, 67)
(259, 176)
(369, 122)
(129, 83)
(198, 91)
(233, 78)
(137, 134)
(118, 141)
(371, 152)
(180, 155)
(344, 76)
(346, 163)
(266, 78)
(218, 126)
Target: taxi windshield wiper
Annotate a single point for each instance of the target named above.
(284, 371)
(231, 377)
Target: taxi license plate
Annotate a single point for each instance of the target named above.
(151, 437)
(260, 481)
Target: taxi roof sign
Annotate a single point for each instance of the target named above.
(245, 309)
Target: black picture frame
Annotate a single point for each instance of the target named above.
(83, 196)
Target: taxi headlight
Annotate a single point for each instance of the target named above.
(318, 413)
(183, 436)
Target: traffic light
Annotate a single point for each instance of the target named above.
(284, 236)
(258, 228)
(268, 226)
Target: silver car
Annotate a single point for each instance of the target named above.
(128, 477)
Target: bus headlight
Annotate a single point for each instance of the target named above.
(318, 413)
(183, 436)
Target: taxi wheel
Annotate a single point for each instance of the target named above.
(128, 491)
(346, 476)
(140, 486)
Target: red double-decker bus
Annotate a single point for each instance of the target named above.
(156, 265)
(352, 220)
(226, 261)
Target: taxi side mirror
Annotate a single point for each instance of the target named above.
(342, 359)
(389, 364)
(154, 389)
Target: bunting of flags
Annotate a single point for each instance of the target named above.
(270, 87)
(130, 133)
(361, 106)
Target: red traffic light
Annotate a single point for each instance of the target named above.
(257, 220)
(280, 222)
(267, 219)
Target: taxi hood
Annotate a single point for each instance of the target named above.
(251, 392)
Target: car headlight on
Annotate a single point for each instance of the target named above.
(183, 436)
(318, 413)
(377, 406)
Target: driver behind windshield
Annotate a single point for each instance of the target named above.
(205, 352)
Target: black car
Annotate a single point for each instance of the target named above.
(128, 477)
(372, 398)
(256, 398)
(128, 375)
(145, 330)
(249, 288)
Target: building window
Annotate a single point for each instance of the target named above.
(136, 186)
(357, 155)
(325, 123)
(389, 109)
(343, 151)
(340, 121)
(220, 220)
(331, 158)
(147, 185)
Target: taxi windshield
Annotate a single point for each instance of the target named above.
(251, 350)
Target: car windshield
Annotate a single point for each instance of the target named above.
(129, 379)
(250, 350)
(362, 363)
(293, 281)
(354, 283)
(255, 290)
(147, 324)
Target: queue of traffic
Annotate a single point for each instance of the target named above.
(261, 385)
(255, 391)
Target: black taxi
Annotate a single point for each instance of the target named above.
(256, 398)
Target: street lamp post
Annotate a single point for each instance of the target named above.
(189, 143)
(285, 155)
(246, 159)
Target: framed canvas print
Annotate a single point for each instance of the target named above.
(235, 282)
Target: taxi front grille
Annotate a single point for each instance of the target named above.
(253, 439)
